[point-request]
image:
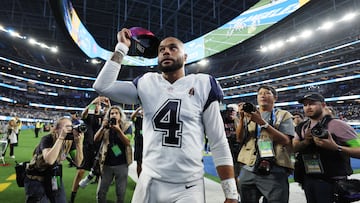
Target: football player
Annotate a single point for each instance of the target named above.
(178, 111)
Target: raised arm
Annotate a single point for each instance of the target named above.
(106, 82)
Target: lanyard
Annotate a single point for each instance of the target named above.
(272, 122)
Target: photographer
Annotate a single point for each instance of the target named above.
(43, 181)
(230, 123)
(266, 133)
(92, 117)
(325, 145)
(115, 133)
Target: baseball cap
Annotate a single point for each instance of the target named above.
(312, 97)
(144, 43)
(232, 107)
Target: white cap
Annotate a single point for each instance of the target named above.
(234, 106)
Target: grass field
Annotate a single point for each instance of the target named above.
(11, 193)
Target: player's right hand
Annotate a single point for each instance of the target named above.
(124, 36)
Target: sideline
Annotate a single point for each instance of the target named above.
(214, 192)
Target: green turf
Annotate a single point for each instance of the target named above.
(14, 194)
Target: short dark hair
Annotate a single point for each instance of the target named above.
(268, 87)
(298, 114)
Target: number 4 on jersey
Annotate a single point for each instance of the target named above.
(166, 120)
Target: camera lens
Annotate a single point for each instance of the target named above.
(80, 128)
(112, 121)
(249, 107)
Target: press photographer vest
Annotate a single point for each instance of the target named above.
(334, 163)
(248, 152)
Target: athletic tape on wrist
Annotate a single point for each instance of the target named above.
(121, 48)
(229, 187)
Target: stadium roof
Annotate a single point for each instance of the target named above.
(185, 19)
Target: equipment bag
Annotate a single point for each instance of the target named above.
(20, 170)
(347, 190)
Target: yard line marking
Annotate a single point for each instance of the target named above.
(3, 186)
(12, 177)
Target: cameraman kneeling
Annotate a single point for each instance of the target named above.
(325, 145)
(43, 181)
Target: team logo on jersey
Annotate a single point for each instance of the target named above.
(192, 92)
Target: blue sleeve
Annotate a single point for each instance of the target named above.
(215, 94)
(136, 80)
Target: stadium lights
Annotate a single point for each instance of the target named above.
(327, 26)
(94, 61)
(348, 16)
(32, 41)
(203, 62)
(307, 33)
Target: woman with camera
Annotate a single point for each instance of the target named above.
(43, 181)
(115, 133)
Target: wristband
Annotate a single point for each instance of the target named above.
(229, 188)
(121, 48)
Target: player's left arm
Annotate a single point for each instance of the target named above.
(214, 130)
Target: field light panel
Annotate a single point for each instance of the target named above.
(349, 16)
(306, 33)
(327, 25)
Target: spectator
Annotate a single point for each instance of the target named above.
(43, 181)
(11, 137)
(326, 151)
(114, 133)
(37, 128)
(137, 118)
(266, 133)
(18, 127)
(297, 118)
(178, 111)
(328, 110)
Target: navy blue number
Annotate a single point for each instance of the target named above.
(166, 120)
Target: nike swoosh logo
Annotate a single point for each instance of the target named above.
(189, 186)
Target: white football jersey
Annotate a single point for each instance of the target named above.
(172, 126)
(176, 118)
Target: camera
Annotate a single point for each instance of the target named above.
(249, 107)
(69, 136)
(319, 131)
(263, 167)
(81, 128)
(112, 121)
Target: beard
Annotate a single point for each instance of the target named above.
(176, 65)
(316, 114)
